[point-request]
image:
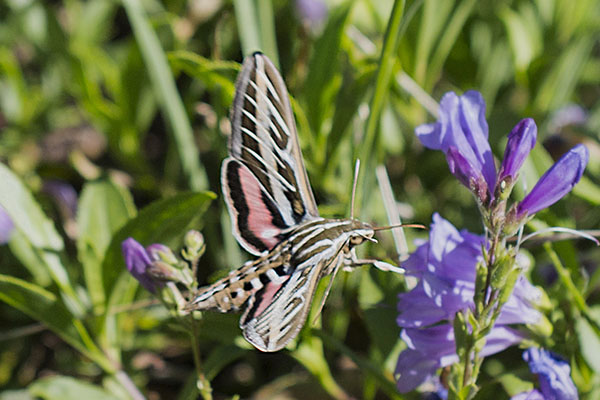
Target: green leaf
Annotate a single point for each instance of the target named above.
(511, 383)
(43, 306)
(26, 212)
(164, 221)
(103, 208)
(29, 218)
(29, 257)
(166, 93)
(15, 395)
(589, 340)
(587, 190)
(214, 74)
(67, 388)
(322, 67)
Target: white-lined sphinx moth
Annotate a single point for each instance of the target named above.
(274, 216)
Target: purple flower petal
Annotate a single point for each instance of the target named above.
(556, 182)
(466, 173)
(520, 142)
(518, 310)
(533, 394)
(501, 338)
(157, 250)
(137, 261)
(434, 347)
(6, 226)
(553, 373)
(412, 369)
(571, 114)
(63, 193)
(311, 11)
(461, 124)
(417, 309)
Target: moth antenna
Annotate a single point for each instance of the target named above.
(356, 169)
(383, 228)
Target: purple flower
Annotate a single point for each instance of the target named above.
(138, 260)
(571, 114)
(533, 394)
(64, 194)
(446, 267)
(520, 142)
(311, 11)
(461, 132)
(554, 374)
(6, 226)
(556, 182)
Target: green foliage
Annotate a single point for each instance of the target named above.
(128, 103)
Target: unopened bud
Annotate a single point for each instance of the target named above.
(163, 271)
(194, 245)
(194, 241)
(160, 252)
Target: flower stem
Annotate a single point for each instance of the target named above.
(484, 320)
(128, 385)
(203, 384)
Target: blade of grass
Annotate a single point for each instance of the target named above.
(322, 68)
(248, 26)
(382, 85)
(267, 30)
(167, 95)
(569, 285)
(434, 15)
(455, 27)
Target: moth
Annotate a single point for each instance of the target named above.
(274, 216)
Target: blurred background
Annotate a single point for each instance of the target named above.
(136, 95)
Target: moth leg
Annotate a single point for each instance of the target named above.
(351, 261)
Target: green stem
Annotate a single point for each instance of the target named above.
(203, 384)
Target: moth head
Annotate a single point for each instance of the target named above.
(361, 231)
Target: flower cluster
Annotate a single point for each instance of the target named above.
(461, 132)
(554, 375)
(471, 291)
(446, 268)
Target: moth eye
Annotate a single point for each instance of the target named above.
(356, 240)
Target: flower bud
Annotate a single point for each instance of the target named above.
(160, 252)
(556, 182)
(520, 142)
(138, 261)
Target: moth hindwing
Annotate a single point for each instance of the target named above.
(274, 216)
